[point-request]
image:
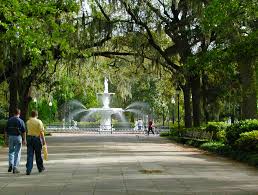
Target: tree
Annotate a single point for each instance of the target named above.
(234, 23)
(178, 21)
(35, 35)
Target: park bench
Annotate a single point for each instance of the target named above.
(198, 136)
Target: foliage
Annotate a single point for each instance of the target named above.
(215, 126)
(220, 136)
(218, 130)
(213, 146)
(233, 26)
(2, 140)
(56, 37)
(248, 141)
(164, 134)
(233, 132)
(226, 150)
(2, 126)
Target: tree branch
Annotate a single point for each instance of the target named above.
(102, 11)
(157, 12)
(150, 37)
(164, 10)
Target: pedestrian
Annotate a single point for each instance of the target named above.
(35, 140)
(16, 134)
(150, 127)
(140, 124)
(136, 126)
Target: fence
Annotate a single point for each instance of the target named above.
(98, 130)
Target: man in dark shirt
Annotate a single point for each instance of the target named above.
(16, 133)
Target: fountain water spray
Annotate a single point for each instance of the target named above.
(105, 112)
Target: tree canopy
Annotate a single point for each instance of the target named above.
(64, 49)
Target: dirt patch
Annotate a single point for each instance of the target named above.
(150, 171)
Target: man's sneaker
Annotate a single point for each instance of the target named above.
(15, 170)
(41, 170)
(10, 168)
(27, 173)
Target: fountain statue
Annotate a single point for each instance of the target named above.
(106, 85)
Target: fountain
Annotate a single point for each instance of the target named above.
(106, 111)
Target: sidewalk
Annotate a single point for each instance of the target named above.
(127, 164)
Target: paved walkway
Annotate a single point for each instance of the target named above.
(120, 164)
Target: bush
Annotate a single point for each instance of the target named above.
(218, 130)
(226, 150)
(2, 126)
(164, 134)
(1, 140)
(216, 126)
(213, 146)
(220, 136)
(248, 141)
(233, 132)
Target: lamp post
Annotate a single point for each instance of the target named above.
(178, 113)
(50, 110)
(163, 114)
(173, 109)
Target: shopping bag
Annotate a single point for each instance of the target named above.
(45, 152)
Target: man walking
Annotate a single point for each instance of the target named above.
(16, 133)
(35, 135)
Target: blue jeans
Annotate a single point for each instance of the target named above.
(34, 146)
(15, 145)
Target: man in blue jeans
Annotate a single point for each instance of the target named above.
(15, 131)
(35, 136)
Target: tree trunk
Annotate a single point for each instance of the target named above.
(204, 99)
(24, 103)
(205, 110)
(13, 95)
(248, 85)
(187, 105)
(196, 100)
(19, 92)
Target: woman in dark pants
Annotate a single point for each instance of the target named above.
(150, 127)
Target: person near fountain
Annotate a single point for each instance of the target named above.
(35, 139)
(135, 126)
(150, 127)
(16, 134)
(140, 124)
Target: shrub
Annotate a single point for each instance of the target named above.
(233, 132)
(2, 126)
(216, 126)
(213, 146)
(1, 140)
(220, 136)
(248, 141)
(218, 130)
(164, 134)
